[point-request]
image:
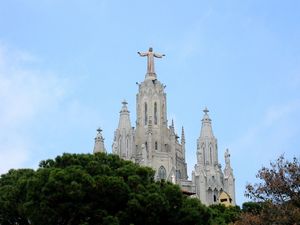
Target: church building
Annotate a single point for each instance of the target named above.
(154, 143)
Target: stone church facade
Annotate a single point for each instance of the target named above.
(156, 144)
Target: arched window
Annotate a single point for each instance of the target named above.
(146, 114)
(156, 145)
(155, 113)
(216, 194)
(178, 174)
(162, 174)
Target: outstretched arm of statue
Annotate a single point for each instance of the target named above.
(143, 53)
(157, 55)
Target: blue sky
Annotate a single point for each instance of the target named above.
(65, 67)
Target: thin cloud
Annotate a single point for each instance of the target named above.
(24, 95)
(277, 113)
(275, 127)
(271, 136)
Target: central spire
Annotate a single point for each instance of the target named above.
(150, 62)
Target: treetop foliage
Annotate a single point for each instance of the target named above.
(94, 189)
(102, 189)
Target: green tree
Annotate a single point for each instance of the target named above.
(94, 189)
(252, 207)
(12, 196)
(222, 215)
(194, 213)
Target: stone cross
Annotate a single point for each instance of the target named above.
(150, 59)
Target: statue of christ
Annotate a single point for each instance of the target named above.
(150, 59)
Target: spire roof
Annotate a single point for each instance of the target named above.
(99, 142)
(124, 121)
(182, 135)
(124, 107)
(206, 129)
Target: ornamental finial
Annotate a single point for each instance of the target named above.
(124, 102)
(205, 110)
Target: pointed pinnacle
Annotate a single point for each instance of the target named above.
(182, 135)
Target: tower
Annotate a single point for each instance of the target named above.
(123, 144)
(151, 123)
(157, 144)
(208, 176)
(99, 142)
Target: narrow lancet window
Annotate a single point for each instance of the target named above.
(156, 147)
(146, 114)
(163, 112)
(210, 155)
(155, 113)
